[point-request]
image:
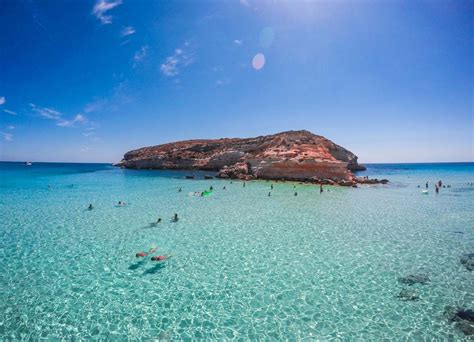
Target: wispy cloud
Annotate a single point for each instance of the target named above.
(2, 100)
(245, 3)
(11, 127)
(180, 59)
(47, 113)
(7, 136)
(223, 82)
(127, 31)
(52, 114)
(140, 55)
(79, 118)
(9, 112)
(101, 7)
(238, 42)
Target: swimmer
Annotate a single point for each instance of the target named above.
(271, 186)
(175, 218)
(144, 254)
(269, 193)
(436, 188)
(160, 257)
(244, 185)
(179, 190)
(223, 188)
(418, 185)
(426, 185)
(296, 194)
(321, 188)
(90, 207)
(159, 220)
(440, 183)
(211, 188)
(121, 204)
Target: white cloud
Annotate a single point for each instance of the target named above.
(2, 100)
(140, 55)
(9, 112)
(238, 42)
(223, 82)
(180, 59)
(11, 127)
(245, 3)
(52, 114)
(127, 31)
(47, 113)
(7, 136)
(101, 7)
(79, 118)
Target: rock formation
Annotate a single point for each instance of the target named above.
(292, 155)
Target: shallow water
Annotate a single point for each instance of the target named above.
(243, 265)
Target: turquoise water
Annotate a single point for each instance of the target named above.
(243, 266)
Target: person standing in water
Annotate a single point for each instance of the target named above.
(269, 193)
(426, 185)
(179, 190)
(271, 186)
(296, 194)
(243, 185)
(320, 188)
(175, 218)
(436, 188)
(90, 207)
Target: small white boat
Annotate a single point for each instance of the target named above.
(29, 163)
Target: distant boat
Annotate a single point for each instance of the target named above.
(29, 163)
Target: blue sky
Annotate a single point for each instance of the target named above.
(89, 80)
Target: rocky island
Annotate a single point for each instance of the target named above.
(291, 155)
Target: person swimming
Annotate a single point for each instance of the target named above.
(144, 254)
(440, 183)
(175, 218)
(223, 188)
(269, 193)
(179, 190)
(90, 207)
(243, 185)
(271, 186)
(296, 194)
(159, 257)
(121, 204)
(211, 188)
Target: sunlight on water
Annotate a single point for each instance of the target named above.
(243, 265)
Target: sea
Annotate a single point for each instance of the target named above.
(241, 264)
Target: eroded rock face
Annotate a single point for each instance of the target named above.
(292, 155)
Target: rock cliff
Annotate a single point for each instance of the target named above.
(292, 155)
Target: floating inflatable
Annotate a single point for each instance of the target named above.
(206, 193)
(425, 192)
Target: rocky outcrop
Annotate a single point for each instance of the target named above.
(292, 155)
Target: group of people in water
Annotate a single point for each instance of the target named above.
(438, 186)
(153, 258)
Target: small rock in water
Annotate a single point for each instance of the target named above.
(464, 319)
(414, 278)
(468, 261)
(466, 327)
(408, 295)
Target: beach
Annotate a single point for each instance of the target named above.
(244, 265)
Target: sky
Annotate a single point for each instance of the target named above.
(86, 81)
